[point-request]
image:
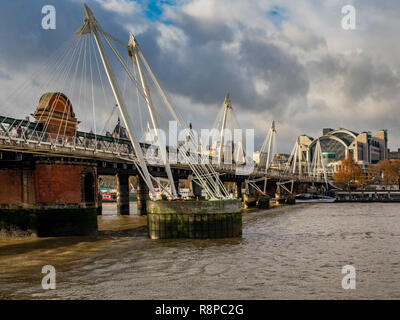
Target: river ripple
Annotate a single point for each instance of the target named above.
(285, 253)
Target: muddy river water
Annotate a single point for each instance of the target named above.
(285, 253)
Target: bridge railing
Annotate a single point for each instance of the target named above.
(20, 135)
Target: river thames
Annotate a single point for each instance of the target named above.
(285, 253)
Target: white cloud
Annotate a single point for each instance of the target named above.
(301, 38)
(123, 7)
(297, 66)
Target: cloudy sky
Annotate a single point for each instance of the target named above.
(285, 60)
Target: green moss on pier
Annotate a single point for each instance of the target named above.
(194, 219)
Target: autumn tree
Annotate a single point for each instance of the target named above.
(389, 172)
(372, 174)
(349, 173)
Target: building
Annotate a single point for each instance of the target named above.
(278, 161)
(119, 131)
(394, 155)
(55, 115)
(281, 158)
(336, 144)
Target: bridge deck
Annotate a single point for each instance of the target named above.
(23, 136)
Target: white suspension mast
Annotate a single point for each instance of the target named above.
(300, 168)
(133, 48)
(321, 161)
(317, 159)
(271, 142)
(289, 162)
(205, 174)
(295, 158)
(227, 106)
(91, 26)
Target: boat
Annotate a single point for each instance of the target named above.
(108, 197)
(314, 198)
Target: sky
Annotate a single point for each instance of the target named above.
(289, 61)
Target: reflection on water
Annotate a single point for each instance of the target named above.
(288, 252)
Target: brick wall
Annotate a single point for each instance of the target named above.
(58, 183)
(11, 191)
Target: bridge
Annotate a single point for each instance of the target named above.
(47, 163)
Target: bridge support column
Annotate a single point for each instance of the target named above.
(196, 190)
(194, 219)
(176, 183)
(99, 205)
(238, 190)
(249, 189)
(142, 196)
(123, 194)
(99, 198)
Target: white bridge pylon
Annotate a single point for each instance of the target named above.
(91, 26)
(300, 164)
(318, 166)
(228, 145)
(268, 149)
(267, 154)
(294, 162)
(205, 174)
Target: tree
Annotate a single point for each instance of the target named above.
(372, 174)
(349, 173)
(389, 172)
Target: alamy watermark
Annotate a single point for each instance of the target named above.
(49, 20)
(349, 280)
(349, 18)
(49, 280)
(201, 147)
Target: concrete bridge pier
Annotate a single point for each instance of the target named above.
(238, 190)
(194, 219)
(196, 190)
(122, 194)
(249, 188)
(99, 199)
(99, 205)
(176, 183)
(142, 196)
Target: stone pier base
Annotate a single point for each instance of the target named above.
(194, 219)
(49, 222)
(122, 194)
(142, 196)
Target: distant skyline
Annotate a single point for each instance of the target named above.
(287, 61)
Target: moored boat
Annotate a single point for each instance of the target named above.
(108, 197)
(304, 198)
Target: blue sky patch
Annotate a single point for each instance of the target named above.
(153, 8)
(277, 14)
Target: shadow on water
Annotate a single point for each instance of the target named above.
(27, 245)
(113, 227)
(22, 255)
